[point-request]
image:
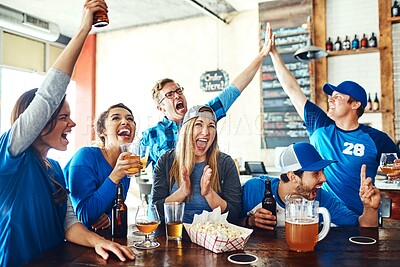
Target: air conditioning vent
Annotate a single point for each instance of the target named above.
(32, 21)
(19, 22)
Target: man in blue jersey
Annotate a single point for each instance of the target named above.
(170, 100)
(303, 174)
(338, 134)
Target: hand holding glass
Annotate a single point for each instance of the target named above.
(134, 148)
(387, 163)
(144, 155)
(147, 221)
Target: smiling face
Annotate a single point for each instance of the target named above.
(120, 127)
(57, 137)
(307, 186)
(340, 107)
(204, 131)
(173, 108)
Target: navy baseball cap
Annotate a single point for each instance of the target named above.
(350, 88)
(302, 156)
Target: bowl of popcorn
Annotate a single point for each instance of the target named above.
(212, 231)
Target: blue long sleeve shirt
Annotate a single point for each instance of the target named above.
(91, 190)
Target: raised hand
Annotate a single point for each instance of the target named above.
(205, 182)
(369, 194)
(269, 42)
(396, 166)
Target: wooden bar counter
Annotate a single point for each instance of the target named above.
(269, 247)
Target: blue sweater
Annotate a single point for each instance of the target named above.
(92, 192)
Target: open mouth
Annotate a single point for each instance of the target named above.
(201, 143)
(124, 132)
(179, 106)
(64, 136)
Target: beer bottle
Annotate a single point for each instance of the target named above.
(269, 202)
(395, 9)
(119, 215)
(346, 43)
(369, 103)
(372, 42)
(364, 41)
(338, 45)
(100, 19)
(375, 105)
(329, 45)
(355, 44)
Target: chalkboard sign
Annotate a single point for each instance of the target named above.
(216, 80)
(282, 125)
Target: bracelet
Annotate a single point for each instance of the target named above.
(247, 220)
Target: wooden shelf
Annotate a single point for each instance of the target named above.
(394, 20)
(353, 52)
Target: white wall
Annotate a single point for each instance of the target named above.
(130, 61)
(349, 18)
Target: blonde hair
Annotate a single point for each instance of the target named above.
(185, 156)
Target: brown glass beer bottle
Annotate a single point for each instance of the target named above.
(119, 215)
(269, 202)
(100, 19)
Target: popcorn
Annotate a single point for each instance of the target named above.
(212, 231)
(217, 228)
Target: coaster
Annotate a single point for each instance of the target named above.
(242, 258)
(362, 240)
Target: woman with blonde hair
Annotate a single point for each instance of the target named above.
(196, 172)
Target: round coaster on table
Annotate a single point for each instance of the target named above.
(362, 240)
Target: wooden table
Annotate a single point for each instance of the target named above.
(270, 247)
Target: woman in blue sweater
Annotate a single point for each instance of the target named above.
(36, 214)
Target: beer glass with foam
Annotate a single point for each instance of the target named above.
(302, 221)
(134, 148)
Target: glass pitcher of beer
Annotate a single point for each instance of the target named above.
(302, 221)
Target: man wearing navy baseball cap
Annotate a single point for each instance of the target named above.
(303, 174)
(338, 134)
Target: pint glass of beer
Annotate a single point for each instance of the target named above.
(173, 213)
(301, 223)
(134, 148)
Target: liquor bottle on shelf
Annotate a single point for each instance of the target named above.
(375, 105)
(329, 45)
(372, 42)
(369, 103)
(355, 44)
(119, 215)
(395, 9)
(269, 202)
(364, 41)
(338, 44)
(346, 43)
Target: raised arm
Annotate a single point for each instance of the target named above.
(51, 92)
(288, 83)
(371, 198)
(247, 75)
